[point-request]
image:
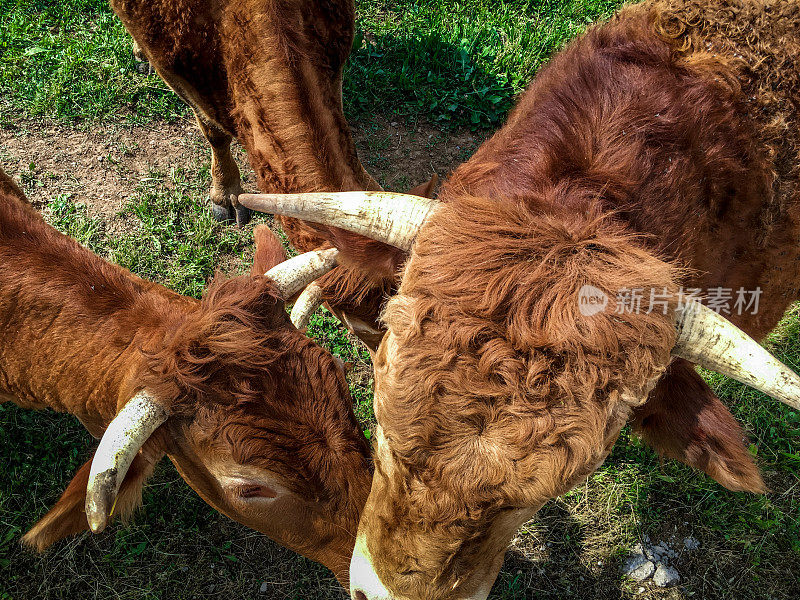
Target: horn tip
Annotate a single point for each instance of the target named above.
(97, 524)
(96, 514)
(100, 495)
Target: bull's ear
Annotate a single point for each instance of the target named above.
(269, 250)
(8, 187)
(426, 189)
(68, 516)
(684, 419)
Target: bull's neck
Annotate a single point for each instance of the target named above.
(289, 118)
(82, 354)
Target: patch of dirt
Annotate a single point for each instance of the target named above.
(402, 155)
(100, 166)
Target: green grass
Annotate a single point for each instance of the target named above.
(457, 63)
(72, 60)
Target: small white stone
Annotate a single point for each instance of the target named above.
(666, 576)
(691, 543)
(263, 588)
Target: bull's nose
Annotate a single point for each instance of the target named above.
(364, 581)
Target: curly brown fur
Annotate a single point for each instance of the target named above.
(495, 390)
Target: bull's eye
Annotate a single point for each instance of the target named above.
(411, 573)
(256, 491)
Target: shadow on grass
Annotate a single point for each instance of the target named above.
(175, 546)
(427, 76)
(557, 571)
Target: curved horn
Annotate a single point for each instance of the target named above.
(393, 219)
(713, 342)
(305, 305)
(123, 438)
(294, 274)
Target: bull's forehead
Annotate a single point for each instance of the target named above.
(447, 425)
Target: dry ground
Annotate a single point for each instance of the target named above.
(100, 165)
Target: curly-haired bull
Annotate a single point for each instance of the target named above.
(256, 417)
(657, 152)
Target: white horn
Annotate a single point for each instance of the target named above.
(305, 305)
(713, 342)
(294, 274)
(393, 219)
(123, 438)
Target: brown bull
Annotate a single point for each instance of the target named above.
(658, 153)
(255, 416)
(269, 73)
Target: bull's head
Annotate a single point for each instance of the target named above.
(495, 392)
(256, 417)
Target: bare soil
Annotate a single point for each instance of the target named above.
(100, 165)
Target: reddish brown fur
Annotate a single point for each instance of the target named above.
(685, 420)
(269, 73)
(659, 150)
(243, 386)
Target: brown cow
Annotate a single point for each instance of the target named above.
(659, 151)
(256, 417)
(269, 73)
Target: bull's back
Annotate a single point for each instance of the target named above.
(201, 49)
(681, 119)
(759, 41)
(71, 324)
(757, 44)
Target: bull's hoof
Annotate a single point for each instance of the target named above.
(145, 68)
(223, 214)
(243, 215)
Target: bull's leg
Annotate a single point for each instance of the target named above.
(225, 178)
(143, 65)
(226, 183)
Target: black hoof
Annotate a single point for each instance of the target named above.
(243, 215)
(145, 68)
(223, 214)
